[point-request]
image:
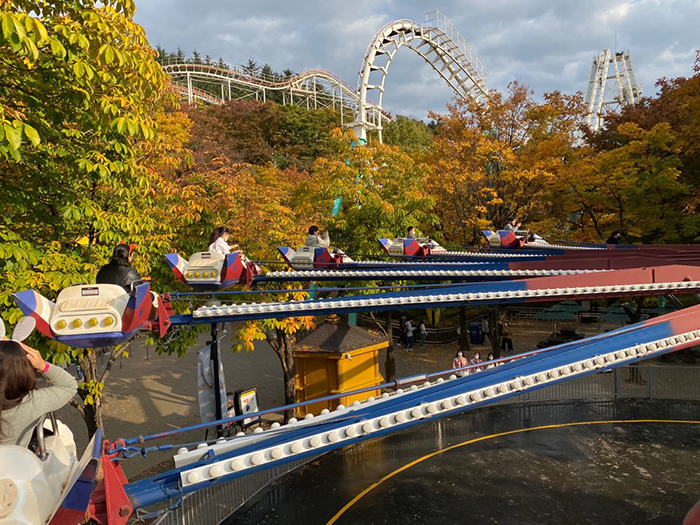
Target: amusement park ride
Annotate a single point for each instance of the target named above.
(95, 315)
(56, 487)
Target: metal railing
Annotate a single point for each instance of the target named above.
(215, 504)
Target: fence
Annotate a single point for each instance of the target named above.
(216, 503)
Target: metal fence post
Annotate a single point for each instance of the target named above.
(650, 379)
(616, 382)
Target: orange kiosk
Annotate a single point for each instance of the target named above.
(333, 359)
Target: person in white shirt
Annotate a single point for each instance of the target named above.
(409, 335)
(217, 241)
(512, 225)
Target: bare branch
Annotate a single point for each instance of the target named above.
(78, 407)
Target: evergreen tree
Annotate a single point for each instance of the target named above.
(251, 67)
(267, 72)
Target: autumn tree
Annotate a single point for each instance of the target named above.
(81, 102)
(634, 188)
(382, 191)
(496, 161)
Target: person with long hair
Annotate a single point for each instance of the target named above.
(459, 362)
(218, 241)
(475, 361)
(119, 270)
(22, 405)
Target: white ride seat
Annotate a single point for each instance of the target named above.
(303, 258)
(92, 308)
(205, 266)
(30, 488)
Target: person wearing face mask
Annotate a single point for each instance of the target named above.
(459, 362)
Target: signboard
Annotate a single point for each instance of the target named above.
(246, 402)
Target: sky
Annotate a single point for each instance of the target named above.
(546, 44)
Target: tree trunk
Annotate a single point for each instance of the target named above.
(494, 331)
(92, 412)
(464, 342)
(390, 363)
(283, 346)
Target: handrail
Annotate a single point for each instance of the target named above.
(41, 451)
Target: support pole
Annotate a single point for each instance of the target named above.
(215, 365)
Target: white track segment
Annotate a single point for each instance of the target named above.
(312, 88)
(453, 403)
(402, 273)
(438, 42)
(623, 91)
(433, 298)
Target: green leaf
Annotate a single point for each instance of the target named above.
(40, 30)
(19, 29)
(32, 134)
(57, 48)
(14, 136)
(78, 69)
(7, 25)
(109, 54)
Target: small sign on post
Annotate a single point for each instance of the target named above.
(246, 402)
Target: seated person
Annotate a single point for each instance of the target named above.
(119, 271)
(512, 225)
(411, 234)
(21, 403)
(614, 237)
(218, 241)
(314, 239)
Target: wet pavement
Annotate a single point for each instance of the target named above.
(593, 473)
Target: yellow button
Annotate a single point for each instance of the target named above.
(188, 274)
(61, 324)
(196, 274)
(93, 321)
(109, 321)
(77, 323)
(213, 274)
(205, 274)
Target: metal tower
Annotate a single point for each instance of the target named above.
(623, 91)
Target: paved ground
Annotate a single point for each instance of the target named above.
(616, 473)
(147, 393)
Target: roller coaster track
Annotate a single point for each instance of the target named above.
(437, 42)
(312, 88)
